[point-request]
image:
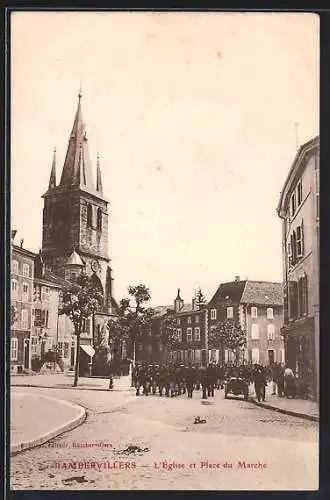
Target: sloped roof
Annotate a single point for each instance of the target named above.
(57, 280)
(232, 291)
(161, 310)
(263, 293)
(74, 260)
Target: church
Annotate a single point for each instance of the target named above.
(75, 235)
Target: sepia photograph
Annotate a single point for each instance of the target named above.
(164, 282)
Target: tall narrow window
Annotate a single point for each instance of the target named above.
(254, 312)
(270, 313)
(293, 204)
(230, 312)
(24, 319)
(197, 334)
(14, 349)
(99, 219)
(179, 334)
(89, 216)
(300, 241)
(213, 314)
(299, 193)
(270, 332)
(254, 331)
(189, 334)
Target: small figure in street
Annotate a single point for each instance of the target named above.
(280, 380)
(110, 381)
(289, 383)
(274, 378)
(259, 379)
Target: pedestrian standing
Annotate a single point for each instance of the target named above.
(110, 380)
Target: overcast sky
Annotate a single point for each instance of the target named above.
(193, 116)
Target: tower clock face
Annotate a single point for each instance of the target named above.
(95, 266)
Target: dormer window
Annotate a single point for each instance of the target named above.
(99, 219)
(89, 216)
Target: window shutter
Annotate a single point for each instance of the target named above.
(302, 237)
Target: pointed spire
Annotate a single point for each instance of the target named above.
(52, 179)
(98, 176)
(77, 169)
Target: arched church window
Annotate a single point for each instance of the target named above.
(99, 219)
(89, 216)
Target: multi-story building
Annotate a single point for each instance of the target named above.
(257, 307)
(191, 332)
(22, 274)
(299, 210)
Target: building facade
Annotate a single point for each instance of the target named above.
(257, 307)
(299, 210)
(22, 276)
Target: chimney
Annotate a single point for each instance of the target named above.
(21, 243)
(193, 306)
(237, 278)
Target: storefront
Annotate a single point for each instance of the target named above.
(300, 355)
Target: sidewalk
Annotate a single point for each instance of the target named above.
(37, 419)
(65, 381)
(295, 407)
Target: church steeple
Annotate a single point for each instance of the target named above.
(77, 169)
(52, 179)
(99, 188)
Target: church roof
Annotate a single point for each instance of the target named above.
(77, 168)
(74, 260)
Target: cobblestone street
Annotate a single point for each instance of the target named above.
(142, 437)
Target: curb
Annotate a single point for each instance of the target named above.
(72, 424)
(286, 412)
(70, 388)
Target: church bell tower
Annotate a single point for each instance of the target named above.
(75, 214)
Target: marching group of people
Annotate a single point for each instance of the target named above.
(173, 380)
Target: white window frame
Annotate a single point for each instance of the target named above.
(24, 319)
(149, 348)
(14, 266)
(270, 332)
(189, 334)
(25, 295)
(14, 349)
(197, 319)
(45, 294)
(197, 333)
(213, 314)
(34, 345)
(300, 241)
(189, 320)
(179, 334)
(270, 313)
(254, 358)
(230, 312)
(254, 312)
(14, 289)
(178, 322)
(255, 331)
(26, 270)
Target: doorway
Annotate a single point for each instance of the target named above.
(271, 356)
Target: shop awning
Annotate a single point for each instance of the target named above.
(88, 349)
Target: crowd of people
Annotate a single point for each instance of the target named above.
(175, 379)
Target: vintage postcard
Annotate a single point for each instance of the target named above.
(165, 251)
